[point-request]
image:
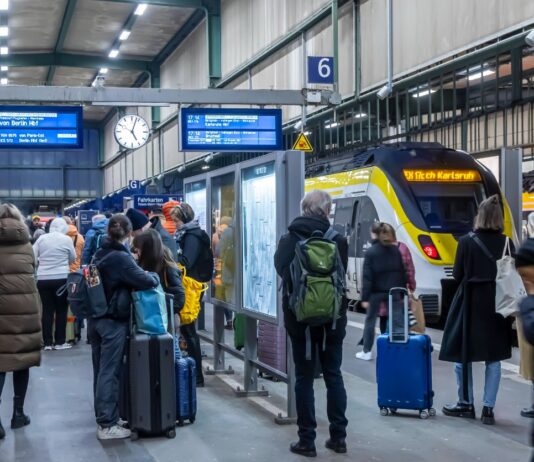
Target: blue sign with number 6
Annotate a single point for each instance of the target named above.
(321, 69)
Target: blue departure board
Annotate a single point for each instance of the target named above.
(205, 129)
(41, 127)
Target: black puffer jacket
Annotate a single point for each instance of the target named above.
(303, 227)
(121, 275)
(383, 269)
(194, 250)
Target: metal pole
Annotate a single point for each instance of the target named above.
(335, 41)
(390, 41)
(511, 183)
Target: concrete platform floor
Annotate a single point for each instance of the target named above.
(231, 429)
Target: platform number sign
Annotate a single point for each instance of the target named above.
(134, 185)
(321, 69)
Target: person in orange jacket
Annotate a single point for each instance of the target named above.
(79, 242)
(168, 224)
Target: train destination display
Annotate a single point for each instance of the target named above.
(42, 127)
(231, 129)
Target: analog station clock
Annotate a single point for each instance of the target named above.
(131, 131)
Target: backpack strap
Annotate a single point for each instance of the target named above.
(330, 234)
(506, 251)
(482, 246)
(75, 240)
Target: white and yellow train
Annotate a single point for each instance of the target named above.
(429, 193)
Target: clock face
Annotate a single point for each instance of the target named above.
(132, 131)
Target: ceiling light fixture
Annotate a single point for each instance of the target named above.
(4, 31)
(478, 75)
(103, 70)
(422, 93)
(114, 53)
(4, 68)
(4, 4)
(124, 35)
(140, 9)
(3, 81)
(332, 125)
(360, 115)
(4, 50)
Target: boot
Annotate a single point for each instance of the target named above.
(459, 410)
(19, 419)
(487, 416)
(2, 431)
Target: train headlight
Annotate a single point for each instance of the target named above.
(428, 247)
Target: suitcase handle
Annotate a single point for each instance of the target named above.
(395, 337)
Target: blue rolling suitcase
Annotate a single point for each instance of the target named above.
(403, 363)
(186, 387)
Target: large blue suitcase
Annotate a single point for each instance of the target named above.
(186, 387)
(403, 364)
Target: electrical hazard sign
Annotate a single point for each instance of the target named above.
(303, 144)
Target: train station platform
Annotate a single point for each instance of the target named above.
(232, 429)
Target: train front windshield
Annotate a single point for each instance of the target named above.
(448, 208)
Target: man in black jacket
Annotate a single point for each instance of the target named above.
(315, 208)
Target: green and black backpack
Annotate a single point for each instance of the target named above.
(317, 280)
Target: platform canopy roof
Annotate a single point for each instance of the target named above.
(68, 42)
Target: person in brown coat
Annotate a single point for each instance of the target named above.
(78, 242)
(20, 310)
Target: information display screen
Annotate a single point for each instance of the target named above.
(231, 129)
(41, 127)
(258, 192)
(195, 196)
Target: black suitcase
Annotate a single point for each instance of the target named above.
(148, 388)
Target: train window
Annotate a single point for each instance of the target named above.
(366, 218)
(449, 209)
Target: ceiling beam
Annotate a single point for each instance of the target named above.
(62, 34)
(119, 96)
(174, 3)
(73, 60)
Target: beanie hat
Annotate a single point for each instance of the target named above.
(137, 218)
(168, 224)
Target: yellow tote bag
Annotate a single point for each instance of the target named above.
(193, 291)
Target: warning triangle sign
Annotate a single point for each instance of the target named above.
(303, 144)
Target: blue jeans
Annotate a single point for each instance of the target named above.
(336, 396)
(108, 340)
(491, 384)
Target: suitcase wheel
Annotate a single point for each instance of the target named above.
(134, 436)
(192, 419)
(431, 412)
(384, 411)
(171, 433)
(180, 422)
(393, 410)
(423, 415)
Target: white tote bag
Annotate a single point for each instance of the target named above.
(509, 285)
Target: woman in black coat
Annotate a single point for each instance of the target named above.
(474, 331)
(383, 269)
(120, 276)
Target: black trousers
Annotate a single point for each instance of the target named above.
(336, 396)
(108, 340)
(20, 385)
(53, 307)
(189, 333)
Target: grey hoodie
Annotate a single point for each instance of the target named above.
(54, 252)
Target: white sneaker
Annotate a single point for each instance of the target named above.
(122, 423)
(364, 356)
(112, 433)
(65, 346)
(48, 348)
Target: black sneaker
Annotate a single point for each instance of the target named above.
(460, 410)
(338, 446)
(19, 420)
(303, 450)
(528, 412)
(2, 432)
(487, 416)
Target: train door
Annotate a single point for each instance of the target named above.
(367, 215)
(345, 219)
